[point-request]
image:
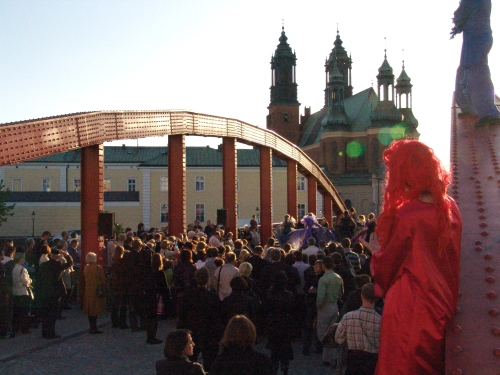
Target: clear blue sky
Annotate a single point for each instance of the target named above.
(213, 56)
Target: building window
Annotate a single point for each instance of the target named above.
(107, 185)
(301, 183)
(199, 184)
(301, 210)
(17, 184)
(77, 184)
(164, 183)
(200, 212)
(131, 184)
(164, 213)
(46, 185)
(285, 117)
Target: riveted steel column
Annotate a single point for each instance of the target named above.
(92, 201)
(266, 200)
(291, 187)
(473, 338)
(229, 184)
(176, 184)
(312, 187)
(327, 208)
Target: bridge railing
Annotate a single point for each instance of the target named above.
(32, 139)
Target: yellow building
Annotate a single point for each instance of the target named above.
(136, 189)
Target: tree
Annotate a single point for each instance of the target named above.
(4, 208)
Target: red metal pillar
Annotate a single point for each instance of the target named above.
(176, 184)
(473, 338)
(312, 187)
(229, 184)
(92, 201)
(327, 208)
(291, 187)
(266, 197)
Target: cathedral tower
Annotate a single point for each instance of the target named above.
(283, 115)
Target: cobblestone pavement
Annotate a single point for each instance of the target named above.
(113, 352)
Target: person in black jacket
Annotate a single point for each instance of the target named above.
(50, 290)
(178, 346)
(238, 302)
(278, 306)
(239, 356)
(258, 263)
(143, 290)
(119, 287)
(200, 312)
(269, 273)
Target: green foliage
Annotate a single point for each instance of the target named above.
(118, 228)
(4, 208)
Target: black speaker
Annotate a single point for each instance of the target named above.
(222, 217)
(106, 224)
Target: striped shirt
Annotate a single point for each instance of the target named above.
(353, 258)
(361, 330)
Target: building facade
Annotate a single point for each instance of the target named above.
(136, 188)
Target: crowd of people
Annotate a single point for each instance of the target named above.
(201, 280)
(227, 293)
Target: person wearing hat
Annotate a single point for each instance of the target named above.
(21, 290)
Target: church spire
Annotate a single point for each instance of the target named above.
(404, 99)
(283, 65)
(336, 117)
(385, 112)
(344, 65)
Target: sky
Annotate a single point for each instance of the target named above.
(213, 56)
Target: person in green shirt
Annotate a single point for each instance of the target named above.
(330, 290)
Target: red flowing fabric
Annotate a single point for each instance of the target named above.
(420, 287)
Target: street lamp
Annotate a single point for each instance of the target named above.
(33, 216)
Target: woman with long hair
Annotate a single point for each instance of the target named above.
(416, 262)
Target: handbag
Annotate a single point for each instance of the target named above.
(100, 291)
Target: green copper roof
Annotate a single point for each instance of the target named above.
(283, 49)
(403, 77)
(358, 107)
(158, 156)
(385, 68)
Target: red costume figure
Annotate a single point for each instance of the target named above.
(416, 264)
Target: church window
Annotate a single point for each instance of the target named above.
(285, 117)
